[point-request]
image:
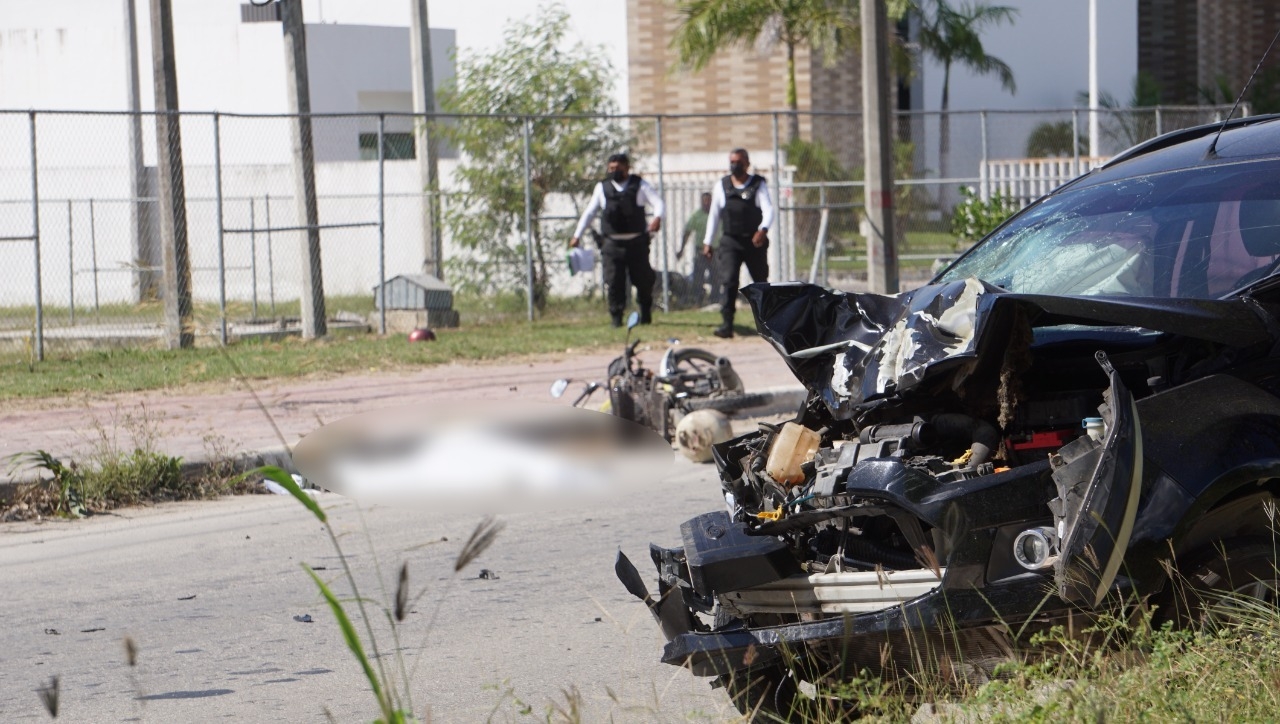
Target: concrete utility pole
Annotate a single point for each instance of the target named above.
(144, 281)
(179, 329)
(304, 167)
(882, 255)
(424, 104)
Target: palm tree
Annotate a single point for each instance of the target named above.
(952, 35)
(709, 26)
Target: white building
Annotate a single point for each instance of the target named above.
(74, 55)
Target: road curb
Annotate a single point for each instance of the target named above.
(193, 467)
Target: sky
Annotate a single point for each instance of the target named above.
(480, 23)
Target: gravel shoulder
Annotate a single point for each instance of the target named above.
(195, 424)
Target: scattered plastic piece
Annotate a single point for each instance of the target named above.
(304, 618)
(276, 488)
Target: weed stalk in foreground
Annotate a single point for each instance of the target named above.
(392, 692)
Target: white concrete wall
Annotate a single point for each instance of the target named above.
(72, 55)
(347, 193)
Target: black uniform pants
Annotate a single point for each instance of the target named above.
(733, 252)
(704, 273)
(621, 258)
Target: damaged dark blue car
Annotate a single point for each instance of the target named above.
(1083, 405)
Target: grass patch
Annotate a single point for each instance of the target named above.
(1226, 672)
(851, 253)
(116, 473)
(206, 314)
(492, 329)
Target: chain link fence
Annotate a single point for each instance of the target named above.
(82, 254)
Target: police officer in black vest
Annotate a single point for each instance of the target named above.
(626, 237)
(741, 202)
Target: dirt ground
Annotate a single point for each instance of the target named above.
(197, 425)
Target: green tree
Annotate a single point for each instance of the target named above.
(1126, 125)
(537, 71)
(953, 36)
(1263, 95)
(709, 26)
(1053, 138)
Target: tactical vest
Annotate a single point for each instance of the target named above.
(741, 216)
(622, 212)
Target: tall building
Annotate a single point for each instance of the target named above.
(1191, 47)
(737, 80)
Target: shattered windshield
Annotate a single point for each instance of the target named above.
(1196, 233)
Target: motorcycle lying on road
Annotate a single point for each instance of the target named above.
(687, 379)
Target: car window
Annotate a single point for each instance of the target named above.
(1195, 233)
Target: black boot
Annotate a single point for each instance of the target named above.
(615, 320)
(646, 315)
(725, 330)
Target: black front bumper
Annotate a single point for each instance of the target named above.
(722, 652)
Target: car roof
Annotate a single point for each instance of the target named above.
(1242, 139)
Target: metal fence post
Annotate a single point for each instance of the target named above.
(662, 193)
(35, 233)
(271, 268)
(822, 199)
(71, 264)
(1159, 123)
(1075, 140)
(528, 215)
(222, 263)
(253, 251)
(985, 191)
(382, 229)
(93, 251)
(777, 179)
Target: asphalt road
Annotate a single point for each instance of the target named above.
(209, 593)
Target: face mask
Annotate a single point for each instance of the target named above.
(737, 169)
(618, 175)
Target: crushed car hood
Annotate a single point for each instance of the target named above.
(853, 348)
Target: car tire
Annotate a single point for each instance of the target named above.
(764, 694)
(1207, 582)
(767, 694)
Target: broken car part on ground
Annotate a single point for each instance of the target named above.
(1089, 393)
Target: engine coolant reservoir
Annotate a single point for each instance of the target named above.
(794, 446)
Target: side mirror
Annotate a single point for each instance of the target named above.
(633, 320)
(558, 387)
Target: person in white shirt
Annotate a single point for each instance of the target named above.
(625, 249)
(741, 202)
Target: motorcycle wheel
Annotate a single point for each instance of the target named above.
(729, 403)
(1219, 582)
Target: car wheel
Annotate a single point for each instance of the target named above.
(1220, 578)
